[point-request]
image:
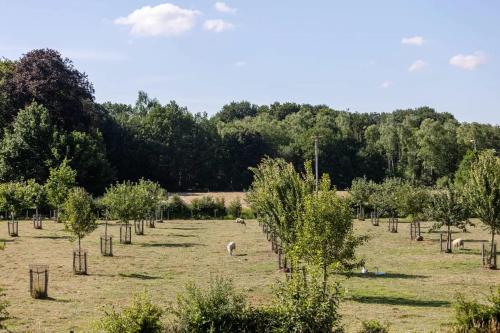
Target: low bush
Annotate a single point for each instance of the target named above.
(208, 207)
(474, 317)
(234, 209)
(142, 316)
(298, 307)
(4, 315)
(373, 326)
(302, 306)
(177, 208)
(218, 309)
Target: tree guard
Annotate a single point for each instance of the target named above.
(489, 256)
(80, 262)
(374, 219)
(39, 280)
(37, 221)
(415, 231)
(106, 243)
(13, 228)
(139, 227)
(448, 241)
(125, 234)
(392, 225)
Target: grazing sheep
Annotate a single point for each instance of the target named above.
(231, 247)
(241, 221)
(459, 242)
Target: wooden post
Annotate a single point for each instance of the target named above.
(483, 254)
(494, 256)
(441, 242)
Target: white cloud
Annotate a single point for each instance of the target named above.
(224, 8)
(386, 84)
(161, 20)
(217, 25)
(415, 40)
(469, 61)
(418, 66)
(240, 63)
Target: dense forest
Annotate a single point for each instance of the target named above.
(48, 113)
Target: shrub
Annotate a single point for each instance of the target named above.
(142, 316)
(247, 213)
(303, 306)
(4, 315)
(474, 317)
(205, 207)
(373, 326)
(177, 208)
(234, 209)
(218, 309)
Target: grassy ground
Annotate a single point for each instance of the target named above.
(415, 294)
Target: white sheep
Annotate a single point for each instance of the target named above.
(459, 242)
(241, 221)
(231, 247)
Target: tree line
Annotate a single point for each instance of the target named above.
(48, 113)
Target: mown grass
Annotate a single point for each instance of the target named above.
(415, 294)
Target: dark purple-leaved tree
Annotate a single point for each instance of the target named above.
(46, 77)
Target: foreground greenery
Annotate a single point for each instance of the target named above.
(298, 306)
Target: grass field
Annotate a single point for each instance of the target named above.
(415, 294)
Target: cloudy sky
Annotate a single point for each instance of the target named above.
(366, 56)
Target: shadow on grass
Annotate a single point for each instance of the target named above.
(444, 232)
(180, 235)
(371, 275)
(139, 276)
(399, 301)
(186, 228)
(240, 255)
(2, 240)
(171, 245)
(52, 299)
(51, 237)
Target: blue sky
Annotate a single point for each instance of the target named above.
(367, 56)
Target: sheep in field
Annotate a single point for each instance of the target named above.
(231, 247)
(459, 242)
(241, 221)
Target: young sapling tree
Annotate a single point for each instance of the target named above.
(448, 208)
(483, 193)
(59, 184)
(79, 217)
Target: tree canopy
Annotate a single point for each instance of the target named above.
(48, 113)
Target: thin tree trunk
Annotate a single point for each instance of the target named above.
(448, 240)
(79, 256)
(492, 255)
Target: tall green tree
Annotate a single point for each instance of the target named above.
(483, 191)
(25, 150)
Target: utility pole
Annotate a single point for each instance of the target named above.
(316, 159)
